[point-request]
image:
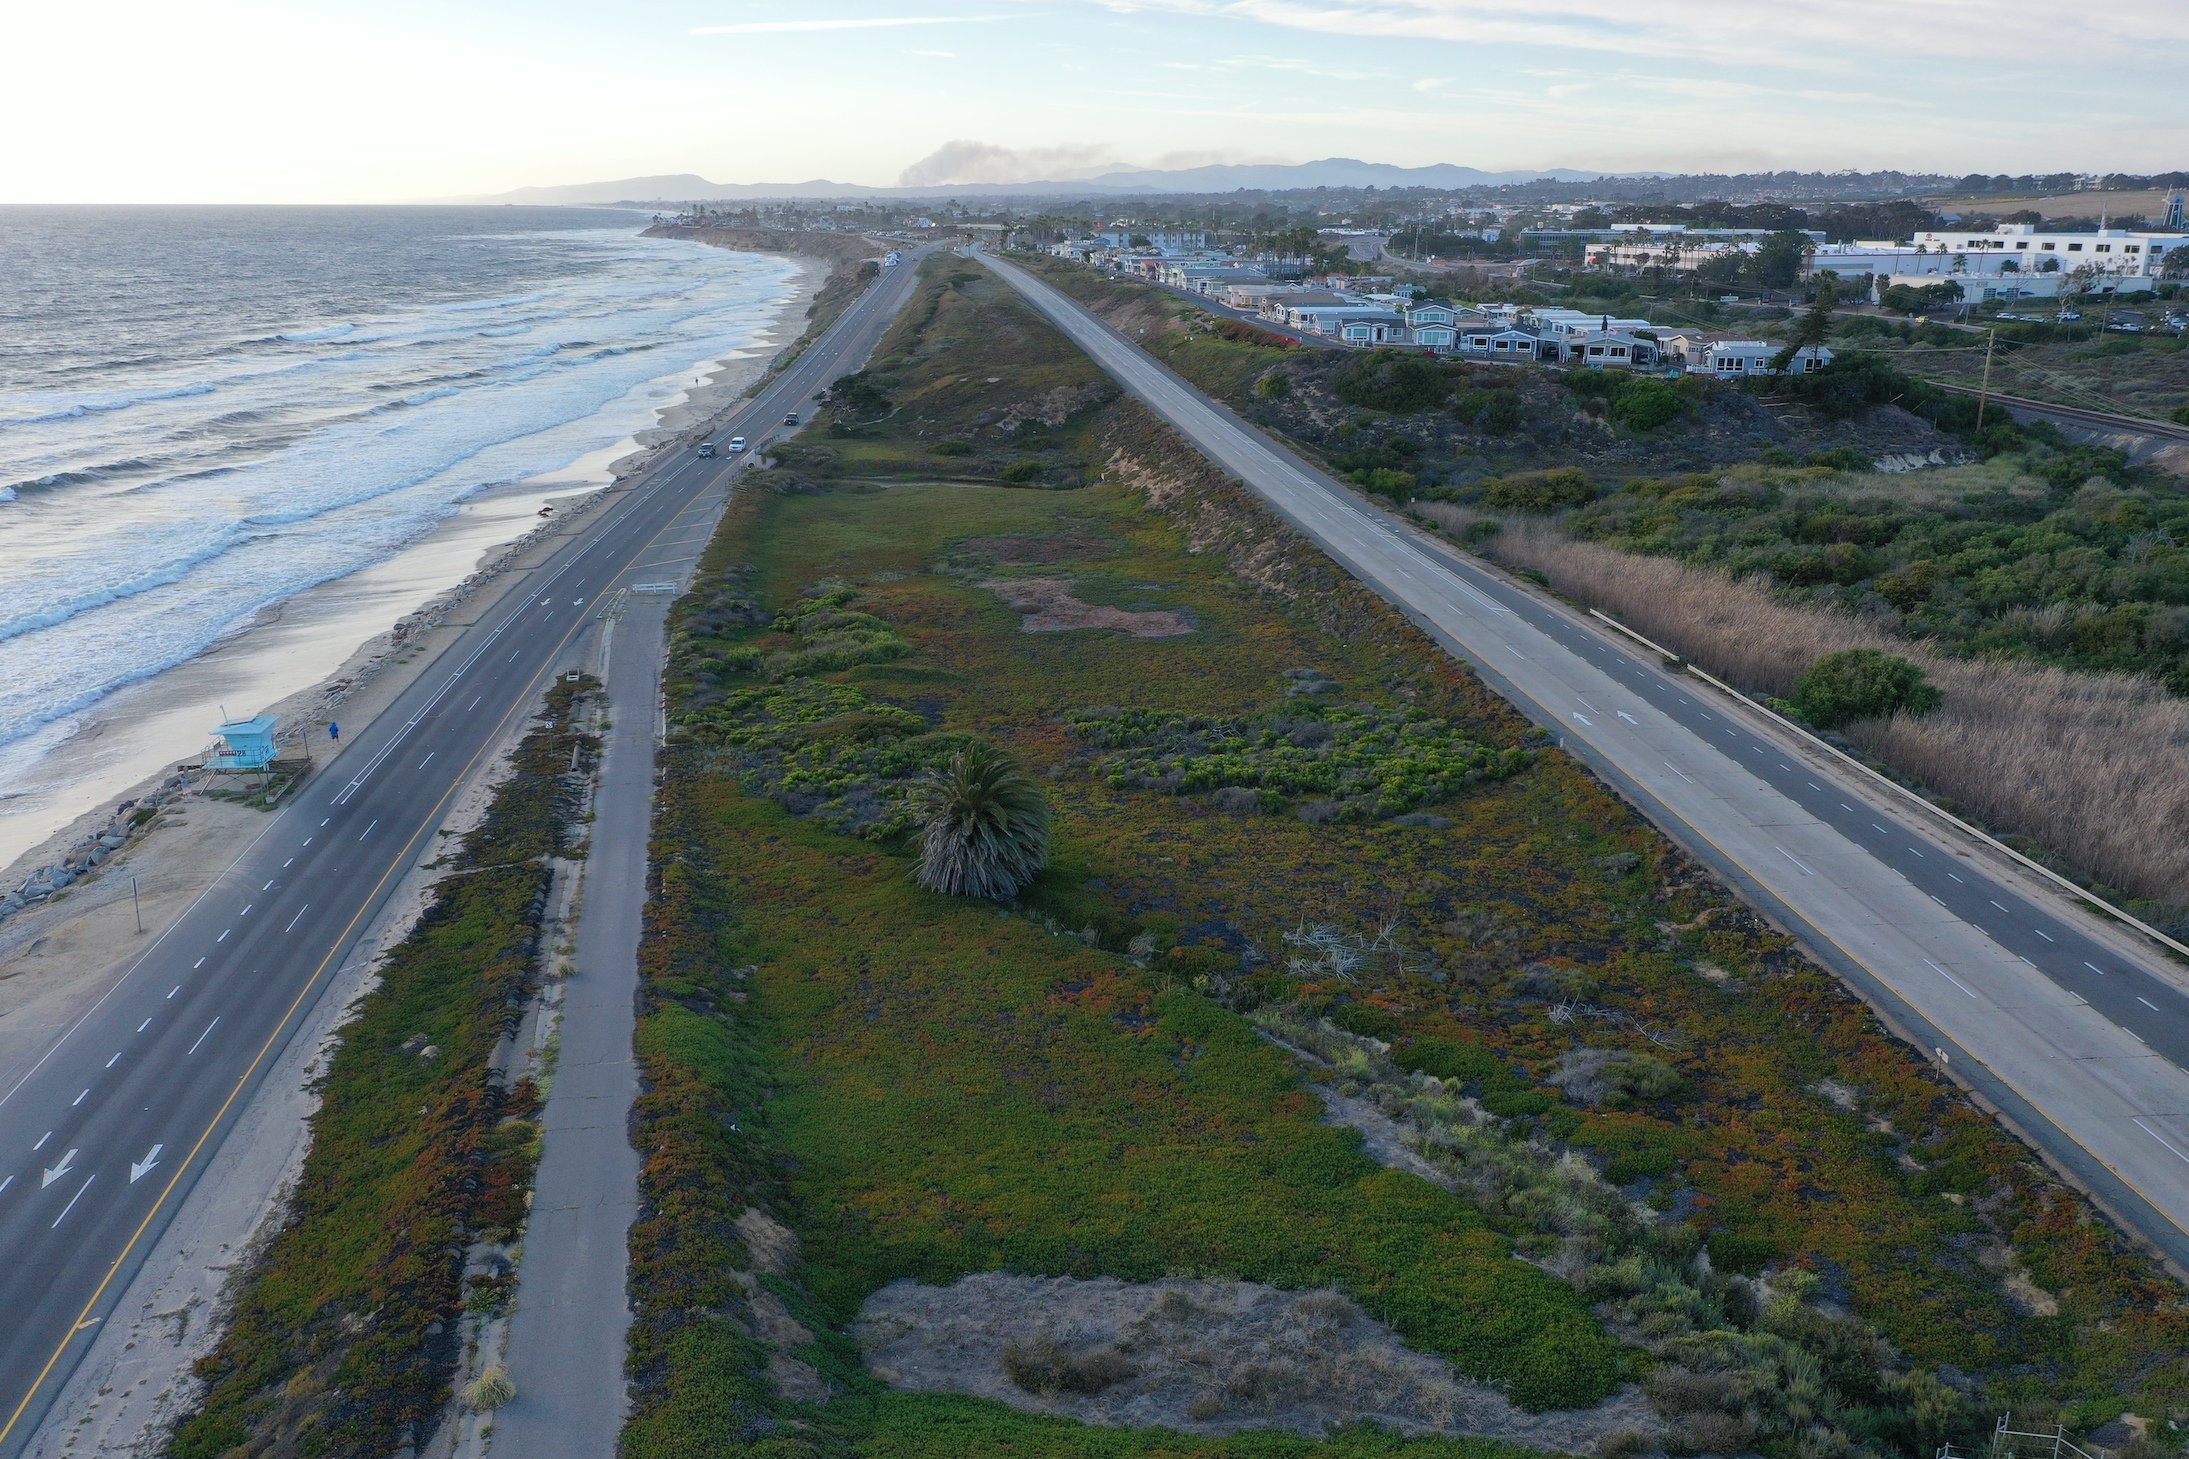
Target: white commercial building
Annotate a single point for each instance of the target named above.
(1861, 262)
(2113, 260)
(1681, 255)
(1976, 288)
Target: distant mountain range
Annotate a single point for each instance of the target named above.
(1345, 172)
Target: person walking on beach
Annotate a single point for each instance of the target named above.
(334, 732)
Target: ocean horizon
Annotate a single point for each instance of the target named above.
(206, 411)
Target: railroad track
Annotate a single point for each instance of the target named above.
(2141, 425)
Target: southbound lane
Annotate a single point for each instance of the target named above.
(104, 1132)
(2079, 1037)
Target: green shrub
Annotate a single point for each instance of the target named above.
(1539, 491)
(1028, 469)
(1453, 1062)
(858, 395)
(1644, 1079)
(1393, 381)
(1374, 762)
(1365, 1020)
(1516, 1103)
(1861, 683)
(1397, 485)
(1498, 412)
(1273, 385)
(1840, 458)
(1747, 1252)
(1646, 403)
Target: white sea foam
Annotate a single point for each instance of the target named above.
(245, 460)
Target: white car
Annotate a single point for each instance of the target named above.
(737, 444)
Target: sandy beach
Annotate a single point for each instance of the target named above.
(294, 650)
(340, 651)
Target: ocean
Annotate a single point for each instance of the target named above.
(204, 412)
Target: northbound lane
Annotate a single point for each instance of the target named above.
(2079, 1038)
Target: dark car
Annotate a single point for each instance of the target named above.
(791, 419)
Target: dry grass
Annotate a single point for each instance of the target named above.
(2091, 766)
(1209, 1357)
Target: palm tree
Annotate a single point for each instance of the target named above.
(984, 826)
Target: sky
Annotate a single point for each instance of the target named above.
(408, 100)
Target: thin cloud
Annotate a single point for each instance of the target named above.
(1733, 33)
(1432, 83)
(1284, 64)
(938, 55)
(875, 22)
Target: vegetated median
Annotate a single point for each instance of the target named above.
(1338, 977)
(2043, 586)
(345, 1329)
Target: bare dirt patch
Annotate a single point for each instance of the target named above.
(1047, 606)
(773, 1245)
(1205, 1357)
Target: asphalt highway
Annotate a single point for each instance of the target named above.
(104, 1132)
(2078, 1036)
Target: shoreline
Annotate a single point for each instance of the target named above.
(149, 844)
(315, 651)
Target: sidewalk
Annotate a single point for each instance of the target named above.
(566, 1334)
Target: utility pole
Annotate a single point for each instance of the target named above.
(135, 906)
(1983, 396)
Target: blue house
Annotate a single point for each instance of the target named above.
(250, 744)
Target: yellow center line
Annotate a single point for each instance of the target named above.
(83, 1319)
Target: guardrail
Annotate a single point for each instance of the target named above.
(2081, 894)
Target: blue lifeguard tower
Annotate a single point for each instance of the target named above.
(249, 744)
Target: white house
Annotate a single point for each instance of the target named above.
(1277, 307)
(1603, 350)
(1735, 359)
(1162, 240)
(1331, 318)
(1499, 342)
(1559, 323)
(1683, 347)
(1212, 279)
(1420, 314)
(1252, 296)
(1381, 326)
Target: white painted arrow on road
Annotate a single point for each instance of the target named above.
(58, 1171)
(1577, 714)
(1630, 719)
(151, 1158)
